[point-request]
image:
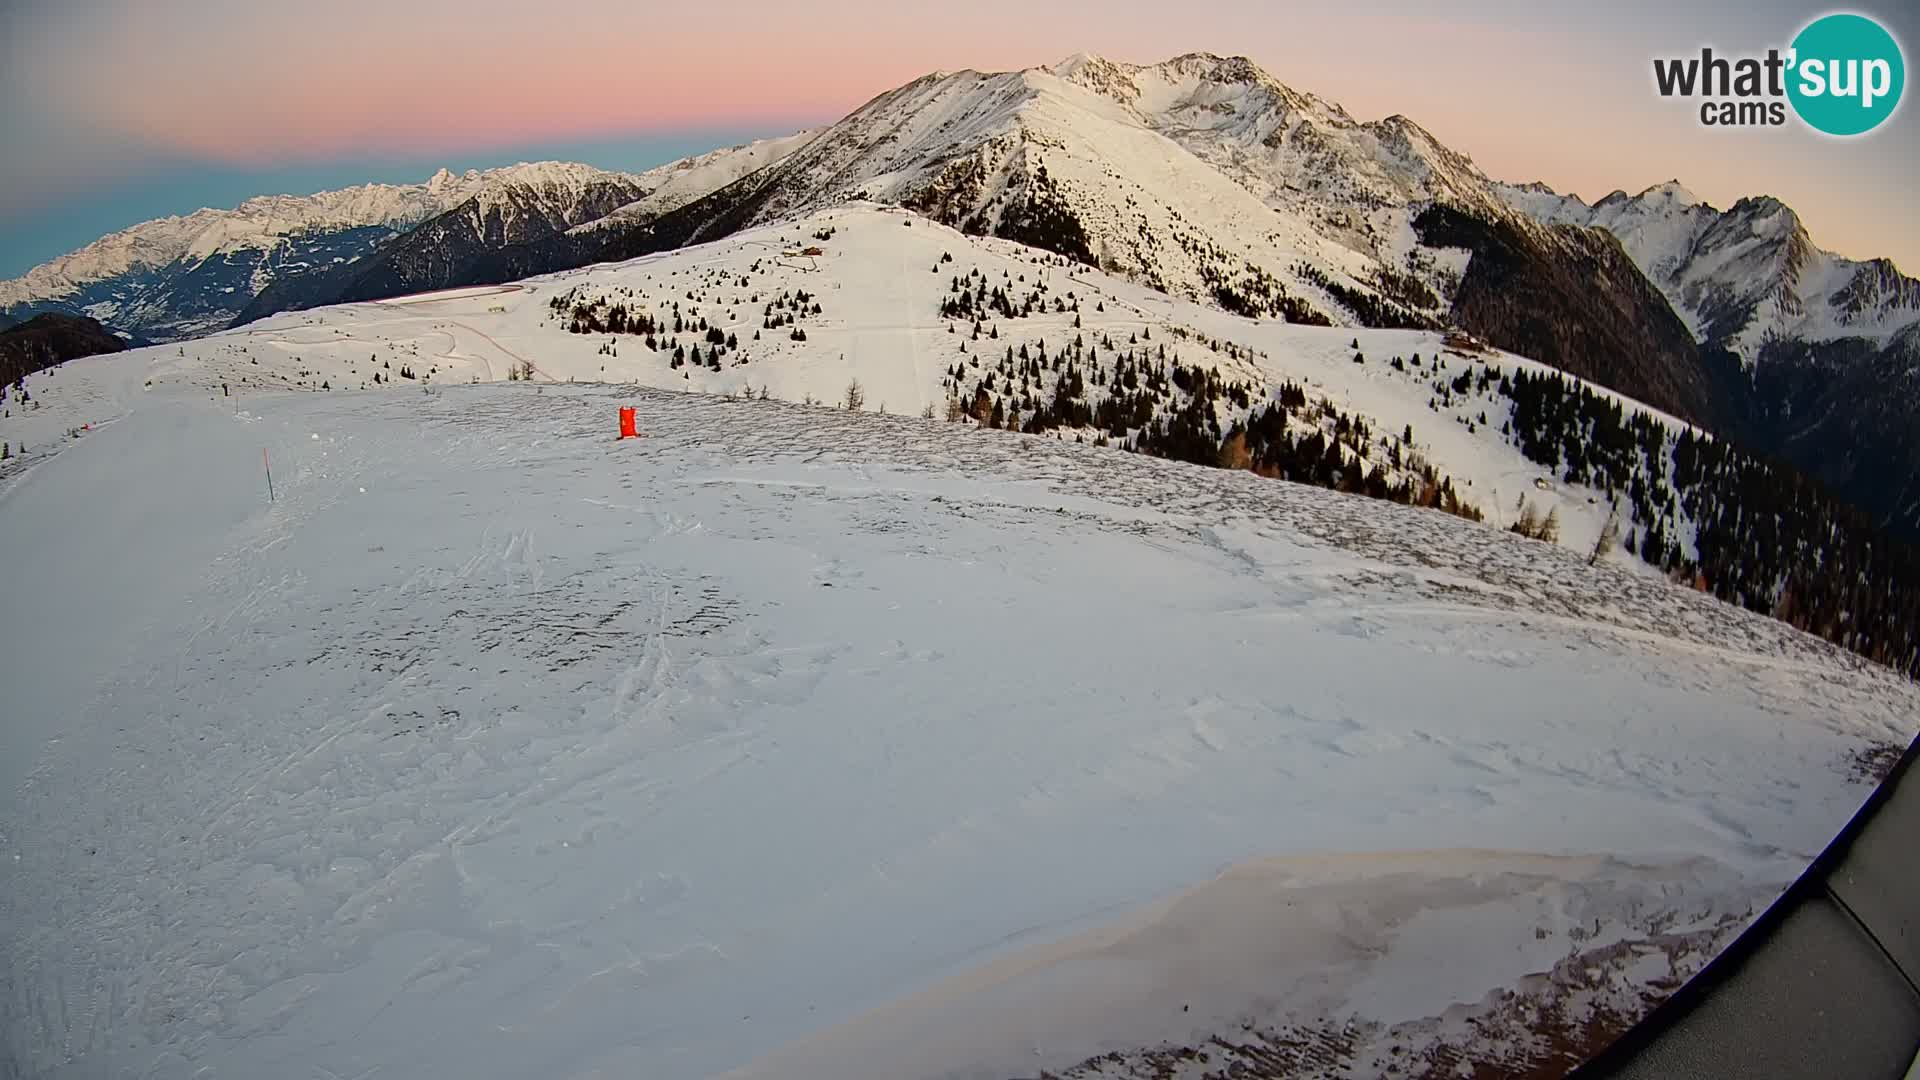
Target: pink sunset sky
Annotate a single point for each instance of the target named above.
(96, 88)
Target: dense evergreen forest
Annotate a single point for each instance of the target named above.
(1764, 535)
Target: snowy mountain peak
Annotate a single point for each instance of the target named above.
(542, 172)
(1192, 82)
(566, 190)
(1066, 69)
(1099, 74)
(1673, 192)
(1201, 174)
(1742, 277)
(1214, 68)
(1764, 212)
(1291, 149)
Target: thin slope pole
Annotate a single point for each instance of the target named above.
(269, 467)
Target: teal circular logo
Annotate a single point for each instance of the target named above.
(1847, 74)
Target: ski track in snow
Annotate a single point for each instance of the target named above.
(495, 747)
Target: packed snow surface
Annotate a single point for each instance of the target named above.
(497, 747)
(802, 743)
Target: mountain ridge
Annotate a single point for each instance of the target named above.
(192, 274)
(49, 340)
(1794, 289)
(211, 230)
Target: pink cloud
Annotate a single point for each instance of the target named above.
(263, 85)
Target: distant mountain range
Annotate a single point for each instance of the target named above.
(1202, 177)
(186, 276)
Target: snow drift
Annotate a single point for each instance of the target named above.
(496, 747)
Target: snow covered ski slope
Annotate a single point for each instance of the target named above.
(804, 743)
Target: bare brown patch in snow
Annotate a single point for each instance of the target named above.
(1467, 964)
(1539, 1029)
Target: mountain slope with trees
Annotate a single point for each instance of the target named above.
(50, 340)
